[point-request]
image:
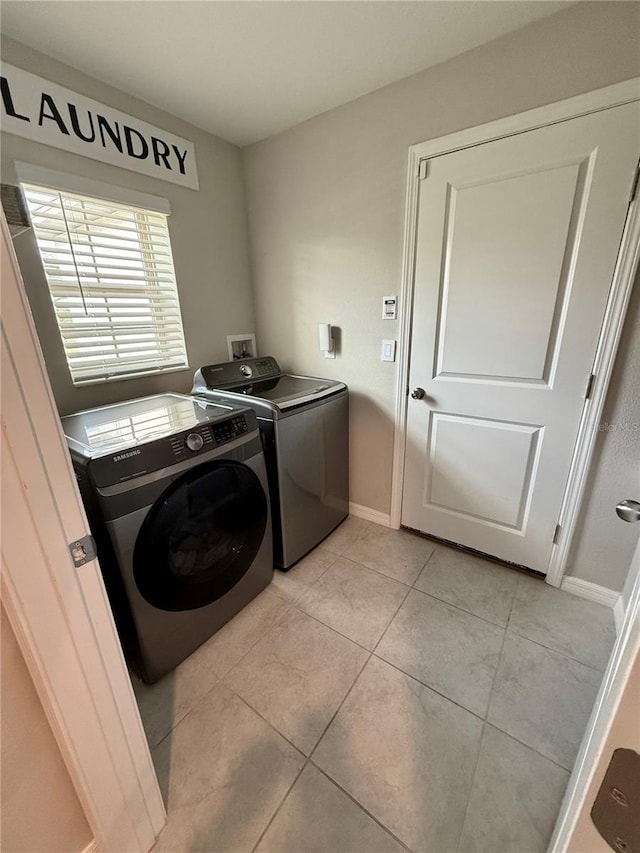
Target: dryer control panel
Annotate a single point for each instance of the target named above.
(164, 452)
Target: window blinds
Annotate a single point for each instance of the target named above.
(112, 282)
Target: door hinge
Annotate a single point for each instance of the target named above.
(556, 534)
(423, 169)
(83, 550)
(633, 193)
(590, 381)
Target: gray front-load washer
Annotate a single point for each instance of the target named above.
(177, 498)
(304, 423)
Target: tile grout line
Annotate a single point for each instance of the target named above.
(485, 722)
(184, 717)
(337, 711)
(515, 632)
(359, 804)
(500, 655)
(370, 653)
(294, 601)
(499, 661)
(331, 628)
(528, 746)
(428, 687)
(549, 648)
(274, 624)
(279, 807)
(265, 720)
(308, 759)
(459, 609)
(372, 569)
(382, 636)
(473, 780)
(222, 679)
(297, 776)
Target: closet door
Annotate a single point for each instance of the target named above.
(516, 245)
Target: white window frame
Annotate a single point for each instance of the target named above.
(66, 183)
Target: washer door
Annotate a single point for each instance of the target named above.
(201, 536)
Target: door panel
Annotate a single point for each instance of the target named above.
(523, 283)
(494, 493)
(516, 245)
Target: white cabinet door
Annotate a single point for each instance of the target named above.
(516, 245)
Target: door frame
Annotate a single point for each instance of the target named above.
(610, 694)
(60, 614)
(613, 320)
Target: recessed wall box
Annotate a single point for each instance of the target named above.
(241, 346)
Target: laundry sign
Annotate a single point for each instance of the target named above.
(36, 109)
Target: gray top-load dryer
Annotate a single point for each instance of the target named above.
(304, 425)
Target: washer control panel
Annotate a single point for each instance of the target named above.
(228, 430)
(233, 373)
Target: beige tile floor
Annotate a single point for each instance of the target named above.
(386, 694)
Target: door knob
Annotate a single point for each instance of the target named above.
(418, 393)
(628, 510)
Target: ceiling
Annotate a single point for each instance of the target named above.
(247, 69)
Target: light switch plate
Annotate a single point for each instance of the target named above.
(388, 352)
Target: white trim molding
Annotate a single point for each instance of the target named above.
(28, 173)
(626, 266)
(610, 334)
(618, 614)
(590, 591)
(612, 688)
(369, 514)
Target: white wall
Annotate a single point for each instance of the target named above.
(326, 207)
(40, 808)
(208, 231)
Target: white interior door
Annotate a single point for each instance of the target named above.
(515, 250)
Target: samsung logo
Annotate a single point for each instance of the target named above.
(126, 455)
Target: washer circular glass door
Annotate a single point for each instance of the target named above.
(201, 536)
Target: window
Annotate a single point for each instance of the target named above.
(112, 283)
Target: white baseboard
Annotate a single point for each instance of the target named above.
(618, 614)
(590, 591)
(369, 514)
(91, 848)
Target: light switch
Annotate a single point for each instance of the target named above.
(388, 351)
